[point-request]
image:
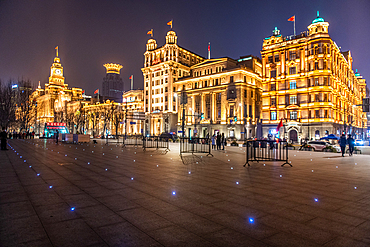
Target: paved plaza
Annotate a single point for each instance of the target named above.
(108, 195)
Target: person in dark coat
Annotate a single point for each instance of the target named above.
(351, 145)
(218, 141)
(3, 137)
(57, 137)
(223, 140)
(342, 144)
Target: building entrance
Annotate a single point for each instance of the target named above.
(293, 135)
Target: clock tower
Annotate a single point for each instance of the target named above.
(56, 71)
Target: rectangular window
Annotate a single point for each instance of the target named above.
(231, 79)
(270, 59)
(325, 81)
(293, 115)
(273, 73)
(273, 87)
(273, 115)
(231, 111)
(292, 55)
(293, 85)
(273, 101)
(165, 98)
(277, 58)
(245, 79)
(250, 111)
(251, 94)
(293, 99)
(166, 89)
(316, 81)
(316, 65)
(205, 83)
(292, 70)
(216, 82)
(317, 113)
(245, 93)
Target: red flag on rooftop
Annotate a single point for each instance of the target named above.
(279, 126)
(292, 18)
(96, 91)
(130, 77)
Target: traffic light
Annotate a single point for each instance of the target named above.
(202, 116)
(235, 119)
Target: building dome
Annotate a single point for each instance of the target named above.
(171, 37)
(151, 45)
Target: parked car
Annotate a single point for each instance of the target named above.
(359, 142)
(171, 136)
(320, 145)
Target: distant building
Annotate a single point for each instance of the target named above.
(309, 84)
(133, 107)
(49, 104)
(163, 66)
(112, 83)
(223, 95)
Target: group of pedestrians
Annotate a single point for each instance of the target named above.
(343, 141)
(218, 141)
(3, 137)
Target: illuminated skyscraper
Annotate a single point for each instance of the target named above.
(112, 82)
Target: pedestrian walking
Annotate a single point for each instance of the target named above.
(3, 136)
(213, 140)
(57, 137)
(223, 140)
(342, 144)
(351, 145)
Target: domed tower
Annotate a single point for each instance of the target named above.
(318, 26)
(151, 45)
(171, 37)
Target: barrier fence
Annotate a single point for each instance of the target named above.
(265, 150)
(195, 145)
(134, 140)
(156, 142)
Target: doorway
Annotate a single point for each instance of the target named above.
(293, 135)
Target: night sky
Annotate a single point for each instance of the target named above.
(90, 33)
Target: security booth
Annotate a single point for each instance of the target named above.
(51, 129)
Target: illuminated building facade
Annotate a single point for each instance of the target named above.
(49, 104)
(163, 66)
(223, 95)
(112, 82)
(308, 82)
(103, 119)
(133, 106)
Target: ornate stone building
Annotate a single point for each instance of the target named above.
(49, 104)
(133, 106)
(222, 95)
(309, 83)
(163, 66)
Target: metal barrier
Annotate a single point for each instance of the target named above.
(195, 145)
(265, 150)
(134, 140)
(156, 142)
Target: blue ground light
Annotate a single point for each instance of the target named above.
(73, 209)
(251, 220)
(316, 200)
(50, 186)
(173, 192)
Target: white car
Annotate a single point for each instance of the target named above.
(320, 145)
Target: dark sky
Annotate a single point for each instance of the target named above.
(90, 33)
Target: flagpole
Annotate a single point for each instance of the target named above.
(132, 82)
(209, 50)
(294, 25)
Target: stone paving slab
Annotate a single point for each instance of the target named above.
(123, 196)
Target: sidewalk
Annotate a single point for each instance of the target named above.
(127, 197)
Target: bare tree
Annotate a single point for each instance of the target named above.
(7, 108)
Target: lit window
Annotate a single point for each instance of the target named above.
(293, 99)
(293, 85)
(273, 74)
(273, 115)
(293, 115)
